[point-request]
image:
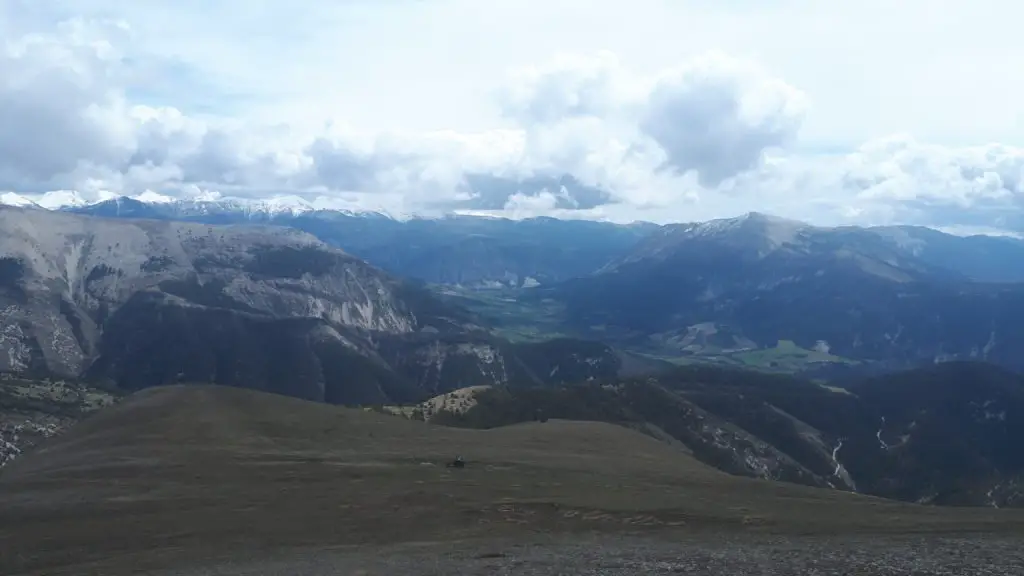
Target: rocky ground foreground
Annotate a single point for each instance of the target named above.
(606, 556)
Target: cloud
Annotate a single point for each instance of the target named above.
(104, 103)
(68, 122)
(337, 166)
(935, 185)
(565, 192)
(57, 108)
(714, 117)
(570, 85)
(895, 179)
(718, 117)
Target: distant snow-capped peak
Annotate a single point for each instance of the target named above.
(12, 199)
(201, 203)
(60, 199)
(276, 206)
(54, 200)
(254, 208)
(151, 197)
(293, 205)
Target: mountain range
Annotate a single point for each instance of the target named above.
(478, 251)
(148, 302)
(573, 247)
(888, 297)
(464, 250)
(749, 290)
(566, 319)
(863, 295)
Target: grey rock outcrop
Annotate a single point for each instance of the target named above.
(63, 277)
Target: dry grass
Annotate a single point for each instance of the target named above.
(193, 475)
(457, 401)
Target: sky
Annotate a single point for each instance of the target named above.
(867, 112)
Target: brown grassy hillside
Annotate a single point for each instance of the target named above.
(188, 474)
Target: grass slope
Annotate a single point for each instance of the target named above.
(188, 475)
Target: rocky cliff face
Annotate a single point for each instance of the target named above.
(147, 302)
(72, 286)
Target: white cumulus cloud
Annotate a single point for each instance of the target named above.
(717, 116)
(385, 105)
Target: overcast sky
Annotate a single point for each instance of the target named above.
(833, 112)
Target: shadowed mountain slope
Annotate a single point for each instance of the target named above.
(946, 434)
(748, 283)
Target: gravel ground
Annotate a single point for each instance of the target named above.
(607, 556)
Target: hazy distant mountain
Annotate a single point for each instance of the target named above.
(475, 251)
(466, 250)
(479, 251)
(750, 282)
(208, 211)
(982, 258)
